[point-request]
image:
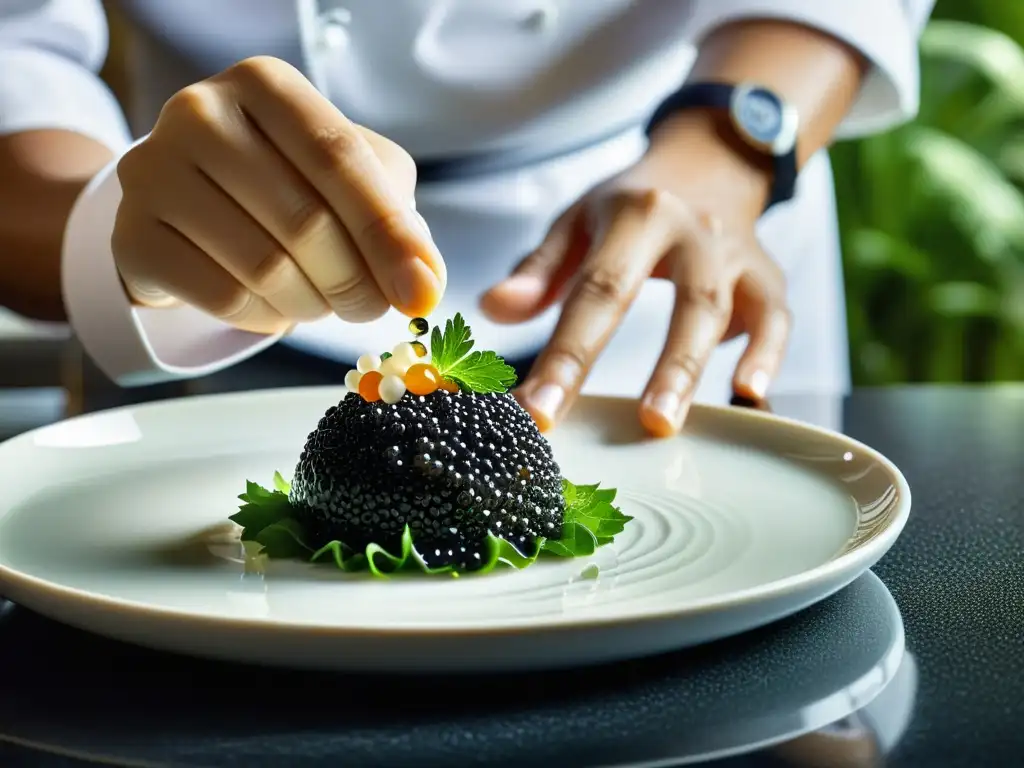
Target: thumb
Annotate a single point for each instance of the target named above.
(536, 282)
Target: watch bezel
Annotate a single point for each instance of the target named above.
(785, 138)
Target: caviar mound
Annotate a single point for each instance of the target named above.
(453, 466)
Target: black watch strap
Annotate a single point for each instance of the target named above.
(719, 96)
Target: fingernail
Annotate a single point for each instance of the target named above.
(522, 285)
(545, 402)
(417, 287)
(668, 407)
(759, 384)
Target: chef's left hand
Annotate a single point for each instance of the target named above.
(686, 213)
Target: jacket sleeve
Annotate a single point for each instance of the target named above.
(886, 32)
(50, 55)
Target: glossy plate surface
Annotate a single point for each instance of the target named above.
(114, 522)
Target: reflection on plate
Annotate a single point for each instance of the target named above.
(112, 523)
(794, 684)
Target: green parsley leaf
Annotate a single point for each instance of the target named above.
(482, 372)
(448, 347)
(281, 484)
(591, 520)
(576, 541)
(262, 508)
(384, 356)
(283, 539)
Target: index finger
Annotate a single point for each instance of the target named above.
(333, 155)
(609, 280)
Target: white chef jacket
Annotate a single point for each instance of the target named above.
(570, 83)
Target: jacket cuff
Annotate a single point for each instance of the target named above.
(883, 31)
(135, 346)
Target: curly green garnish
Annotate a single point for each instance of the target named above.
(267, 518)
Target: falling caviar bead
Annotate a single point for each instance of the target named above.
(422, 379)
(369, 386)
(419, 326)
(419, 348)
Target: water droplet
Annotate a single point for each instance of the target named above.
(592, 571)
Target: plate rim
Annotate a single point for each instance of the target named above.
(850, 563)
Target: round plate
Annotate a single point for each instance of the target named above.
(114, 522)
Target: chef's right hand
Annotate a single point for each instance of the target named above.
(255, 200)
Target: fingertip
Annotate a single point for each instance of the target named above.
(752, 382)
(662, 414)
(543, 403)
(514, 299)
(655, 424)
(544, 424)
(417, 289)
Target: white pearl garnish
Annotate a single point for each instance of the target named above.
(368, 363)
(394, 366)
(406, 354)
(352, 379)
(391, 389)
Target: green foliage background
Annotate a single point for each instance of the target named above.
(932, 213)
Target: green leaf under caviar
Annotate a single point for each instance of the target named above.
(261, 509)
(591, 507)
(266, 518)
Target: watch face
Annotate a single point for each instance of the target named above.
(759, 113)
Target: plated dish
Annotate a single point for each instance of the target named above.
(428, 463)
(117, 523)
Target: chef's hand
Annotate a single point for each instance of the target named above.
(255, 200)
(685, 213)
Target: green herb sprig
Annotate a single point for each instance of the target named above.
(480, 372)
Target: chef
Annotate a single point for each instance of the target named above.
(627, 197)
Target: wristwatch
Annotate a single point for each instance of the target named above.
(760, 118)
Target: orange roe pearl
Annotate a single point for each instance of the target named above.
(422, 379)
(449, 386)
(369, 386)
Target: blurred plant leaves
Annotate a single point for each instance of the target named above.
(956, 180)
(932, 213)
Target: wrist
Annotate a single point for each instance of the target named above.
(697, 155)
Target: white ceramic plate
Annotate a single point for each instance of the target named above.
(114, 522)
